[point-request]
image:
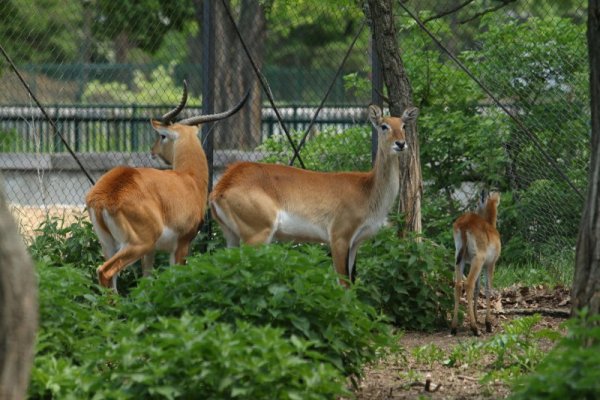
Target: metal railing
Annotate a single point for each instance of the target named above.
(126, 128)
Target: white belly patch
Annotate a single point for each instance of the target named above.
(167, 240)
(291, 226)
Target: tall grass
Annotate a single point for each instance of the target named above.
(551, 271)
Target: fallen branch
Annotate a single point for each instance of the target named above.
(549, 312)
(467, 378)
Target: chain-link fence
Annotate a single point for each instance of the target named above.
(510, 112)
(102, 69)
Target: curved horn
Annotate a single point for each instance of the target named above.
(167, 119)
(201, 119)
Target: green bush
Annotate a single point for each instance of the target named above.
(408, 280)
(274, 285)
(570, 370)
(190, 357)
(71, 306)
(88, 347)
(58, 244)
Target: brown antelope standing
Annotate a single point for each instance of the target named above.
(477, 243)
(136, 211)
(256, 203)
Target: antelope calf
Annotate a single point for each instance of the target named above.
(477, 243)
(136, 211)
(256, 203)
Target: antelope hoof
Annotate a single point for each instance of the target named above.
(475, 331)
(488, 326)
(453, 331)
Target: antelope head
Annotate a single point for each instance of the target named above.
(391, 133)
(168, 131)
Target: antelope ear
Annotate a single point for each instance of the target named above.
(482, 197)
(163, 130)
(375, 115)
(410, 113)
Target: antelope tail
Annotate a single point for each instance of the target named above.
(462, 253)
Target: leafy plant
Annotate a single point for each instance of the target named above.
(518, 345)
(271, 285)
(570, 370)
(428, 354)
(76, 244)
(465, 353)
(409, 281)
(58, 244)
(71, 306)
(86, 339)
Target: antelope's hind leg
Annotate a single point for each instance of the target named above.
(476, 265)
(488, 294)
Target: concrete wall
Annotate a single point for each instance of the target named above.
(43, 179)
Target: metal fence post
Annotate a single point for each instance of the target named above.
(208, 90)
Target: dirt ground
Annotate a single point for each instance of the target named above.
(404, 377)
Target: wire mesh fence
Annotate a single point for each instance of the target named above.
(103, 69)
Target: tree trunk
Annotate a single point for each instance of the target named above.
(234, 75)
(586, 283)
(18, 309)
(400, 95)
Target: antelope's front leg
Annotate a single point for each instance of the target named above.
(339, 253)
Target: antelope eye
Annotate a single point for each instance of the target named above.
(163, 137)
(403, 125)
(385, 127)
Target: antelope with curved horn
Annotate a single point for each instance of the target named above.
(256, 203)
(136, 211)
(477, 243)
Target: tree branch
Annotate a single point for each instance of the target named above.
(487, 11)
(448, 12)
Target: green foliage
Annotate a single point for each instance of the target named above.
(153, 20)
(528, 64)
(85, 340)
(570, 370)
(409, 281)
(57, 244)
(553, 270)
(308, 33)
(428, 354)
(464, 353)
(246, 362)
(514, 351)
(328, 150)
(272, 285)
(10, 141)
(71, 307)
(550, 229)
(26, 23)
(518, 345)
(156, 88)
